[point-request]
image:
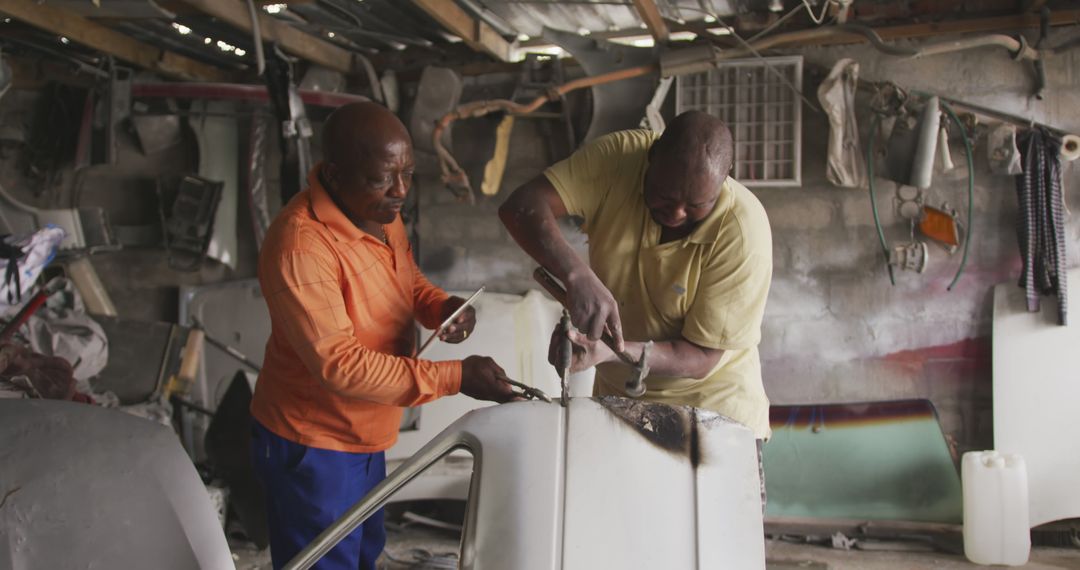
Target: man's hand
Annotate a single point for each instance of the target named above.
(586, 353)
(482, 379)
(461, 327)
(592, 307)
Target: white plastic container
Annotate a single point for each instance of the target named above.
(996, 529)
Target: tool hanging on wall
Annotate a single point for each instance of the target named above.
(915, 139)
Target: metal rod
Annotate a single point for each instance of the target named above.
(378, 496)
(434, 334)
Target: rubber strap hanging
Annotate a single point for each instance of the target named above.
(971, 192)
(873, 196)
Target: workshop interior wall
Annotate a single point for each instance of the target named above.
(835, 329)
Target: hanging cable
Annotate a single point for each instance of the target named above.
(746, 45)
(971, 192)
(873, 197)
(775, 24)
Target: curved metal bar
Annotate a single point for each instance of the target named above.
(378, 496)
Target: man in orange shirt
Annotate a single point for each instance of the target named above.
(338, 275)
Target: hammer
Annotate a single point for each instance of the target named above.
(635, 385)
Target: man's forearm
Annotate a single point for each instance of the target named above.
(534, 226)
(676, 358)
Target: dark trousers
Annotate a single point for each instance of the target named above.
(307, 489)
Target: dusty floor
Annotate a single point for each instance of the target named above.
(418, 547)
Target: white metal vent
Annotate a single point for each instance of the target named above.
(762, 110)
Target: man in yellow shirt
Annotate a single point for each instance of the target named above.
(679, 254)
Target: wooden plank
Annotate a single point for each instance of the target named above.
(650, 14)
(95, 36)
(292, 40)
(477, 34)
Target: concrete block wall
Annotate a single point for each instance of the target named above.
(835, 329)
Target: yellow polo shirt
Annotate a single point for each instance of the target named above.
(709, 288)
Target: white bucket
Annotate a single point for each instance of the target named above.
(996, 529)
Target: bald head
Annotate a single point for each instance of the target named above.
(697, 141)
(356, 130)
(367, 162)
(687, 167)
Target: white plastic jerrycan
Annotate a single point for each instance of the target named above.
(996, 529)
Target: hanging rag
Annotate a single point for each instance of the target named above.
(836, 93)
(1041, 223)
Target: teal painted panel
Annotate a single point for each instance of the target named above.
(872, 461)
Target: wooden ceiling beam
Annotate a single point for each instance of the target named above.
(95, 36)
(292, 40)
(650, 14)
(479, 35)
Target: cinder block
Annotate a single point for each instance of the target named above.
(856, 211)
(840, 249)
(799, 213)
(797, 298)
(862, 295)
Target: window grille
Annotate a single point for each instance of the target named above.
(762, 110)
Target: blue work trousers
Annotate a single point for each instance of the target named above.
(307, 489)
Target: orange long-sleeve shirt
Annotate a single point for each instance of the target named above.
(338, 366)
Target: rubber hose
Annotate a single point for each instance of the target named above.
(971, 192)
(873, 197)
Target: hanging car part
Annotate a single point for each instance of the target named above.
(452, 173)
(84, 228)
(653, 119)
(941, 226)
(189, 225)
(912, 145)
(909, 202)
(890, 254)
(922, 168)
(1002, 154)
(914, 256)
(295, 127)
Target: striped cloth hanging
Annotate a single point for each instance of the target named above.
(1041, 223)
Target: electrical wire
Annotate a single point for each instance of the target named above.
(971, 192)
(758, 55)
(874, 127)
(775, 24)
(824, 9)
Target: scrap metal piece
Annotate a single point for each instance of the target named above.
(437, 94)
(219, 152)
(190, 224)
(83, 227)
(614, 106)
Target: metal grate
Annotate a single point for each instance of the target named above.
(762, 110)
